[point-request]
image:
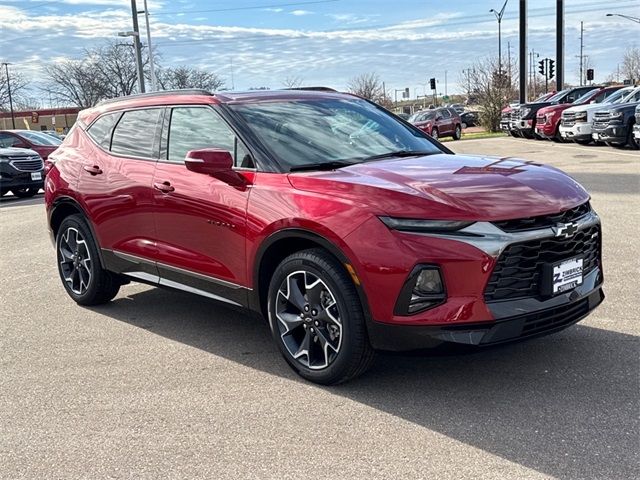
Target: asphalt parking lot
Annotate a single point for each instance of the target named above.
(159, 384)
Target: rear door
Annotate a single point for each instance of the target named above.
(200, 220)
(115, 182)
(446, 124)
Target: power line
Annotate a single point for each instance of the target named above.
(254, 7)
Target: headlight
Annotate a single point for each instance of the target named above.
(423, 289)
(416, 225)
(615, 114)
(581, 116)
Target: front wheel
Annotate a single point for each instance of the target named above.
(82, 275)
(434, 133)
(631, 140)
(25, 192)
(457, 135)
(317, 320)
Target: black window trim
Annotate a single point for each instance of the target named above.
(166, 125)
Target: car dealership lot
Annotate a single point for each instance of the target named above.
(163, 384)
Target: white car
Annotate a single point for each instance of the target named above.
(576, 121)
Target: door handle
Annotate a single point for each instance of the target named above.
(93, 170)
(164, 187)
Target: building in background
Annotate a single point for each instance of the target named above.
(58, 119)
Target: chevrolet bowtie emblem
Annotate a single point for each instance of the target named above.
(565, 230)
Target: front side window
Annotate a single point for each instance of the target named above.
(194, 128)
(102, 129)
(40, 139)
(7, 140)
(320, 131)
(135, 133)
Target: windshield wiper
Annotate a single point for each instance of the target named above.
(398, 154)
(321, 166)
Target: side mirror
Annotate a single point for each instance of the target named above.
(216, 163)
(438, 118)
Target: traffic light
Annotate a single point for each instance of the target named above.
(432, 82)
(552, 68)
(541, 68)
(590, 74)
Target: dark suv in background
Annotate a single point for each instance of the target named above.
(614, 126)
(21, 172)
(439, 122)
(525, 119)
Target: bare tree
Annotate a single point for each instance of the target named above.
(630, 67)
(75, 82)
(369, 86)
(189, 77)
(17, 82)
(292, 82)
(490, 90)
(116, 68)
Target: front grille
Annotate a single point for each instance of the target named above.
(544, 221)
(568, 119)
(28, 165)
(601, 119)
(518, 271)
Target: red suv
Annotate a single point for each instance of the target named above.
(440, 122)
(349, 229)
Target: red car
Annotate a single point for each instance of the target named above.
(39, 142)
(548, 118)
(439, 122)
(349, 229)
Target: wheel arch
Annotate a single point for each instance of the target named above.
(283, 243)
(64, 207)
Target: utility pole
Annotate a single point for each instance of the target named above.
(522, 56)
(499, 18)
(509, 64)
(151, 66)
(13, 118)
(581, 53)
(560, 45)
(445, 83)
(137, 46)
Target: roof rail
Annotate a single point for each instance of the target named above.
(314, 89)
(189, 91)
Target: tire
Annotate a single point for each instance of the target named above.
(457, 134)
(464, 125)
(434, 133)
(583, 142)
(25, 192)
(82, 275)
(557, 137)
(631, 141)
(328, 344)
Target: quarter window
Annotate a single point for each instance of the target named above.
(135, 133)
(194, 128)
(102, 128)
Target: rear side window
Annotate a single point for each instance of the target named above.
(135, 134)
(102, 128)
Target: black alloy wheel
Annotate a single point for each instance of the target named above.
(316, 318)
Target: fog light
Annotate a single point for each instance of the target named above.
(428, 282)
(423, 289)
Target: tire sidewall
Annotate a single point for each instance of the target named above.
(337, 286)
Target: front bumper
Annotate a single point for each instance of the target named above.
(11, 178)
(579, 131)
(611, 133)
(560, 313)
(545, 130)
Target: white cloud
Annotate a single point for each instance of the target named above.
(300, 13)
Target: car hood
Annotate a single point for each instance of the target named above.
(553, 109)
(623, 106)
(16, 152)
(456, 187)
(589, 107)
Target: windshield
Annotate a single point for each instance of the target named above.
(634, 96)
(422, 116)
(329, 131)
(40, 139)
(617, 96)
(558, 96)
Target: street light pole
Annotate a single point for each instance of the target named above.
(151, 66)
(13, 119)
(136, 43)
(633, 19)
(499, 18)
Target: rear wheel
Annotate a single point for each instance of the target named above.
(25, 192)
(457, 134)
(317, 320)
(84, 279)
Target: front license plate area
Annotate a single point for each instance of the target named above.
(562, 276)
(36, 176)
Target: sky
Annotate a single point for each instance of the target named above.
(261, 43)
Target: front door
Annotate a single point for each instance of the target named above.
(200, 220)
